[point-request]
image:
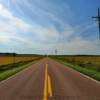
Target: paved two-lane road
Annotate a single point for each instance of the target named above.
(49, 80)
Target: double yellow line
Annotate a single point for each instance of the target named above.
(47, 85)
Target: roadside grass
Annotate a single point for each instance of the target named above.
(89, 72)
(7, 73)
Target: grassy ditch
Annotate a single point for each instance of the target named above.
(13, 70)
(85, 70)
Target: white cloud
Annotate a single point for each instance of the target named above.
(5, 13)
(45, 34)
(47, 38)
(10, 24)
(49, 34)
(76, 46)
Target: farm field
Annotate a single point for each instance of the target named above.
(10, 59)
(84, 60)
(12, 63)
(5, 60)
(88, 65)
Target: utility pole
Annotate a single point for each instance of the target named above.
(56, 51)
(98, 19)
(14, 60)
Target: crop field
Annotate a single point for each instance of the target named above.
(84, 61)
(12, 63)
(10, 59)
(5, 60)
(86, 64)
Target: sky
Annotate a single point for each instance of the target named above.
(41, 26)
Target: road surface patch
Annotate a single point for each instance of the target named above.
(47, 85)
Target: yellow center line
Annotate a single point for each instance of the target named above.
(47, 85)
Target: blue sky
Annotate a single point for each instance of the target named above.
(41, 26)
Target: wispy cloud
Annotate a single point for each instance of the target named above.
(43, 29)
(9, 24)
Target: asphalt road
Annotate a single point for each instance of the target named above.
(49, 80)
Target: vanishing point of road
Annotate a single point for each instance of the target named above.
(49, 80)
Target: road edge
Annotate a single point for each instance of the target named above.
(84, 75)
(1, 82)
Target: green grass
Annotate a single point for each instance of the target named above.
(7, 73)
(89, 72)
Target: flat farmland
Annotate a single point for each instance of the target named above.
(5, 60)
(86, 64)
(88, 61)
(85, 59)
(81, 59)
(11, 63)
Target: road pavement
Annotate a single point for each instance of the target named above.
(49, 80)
